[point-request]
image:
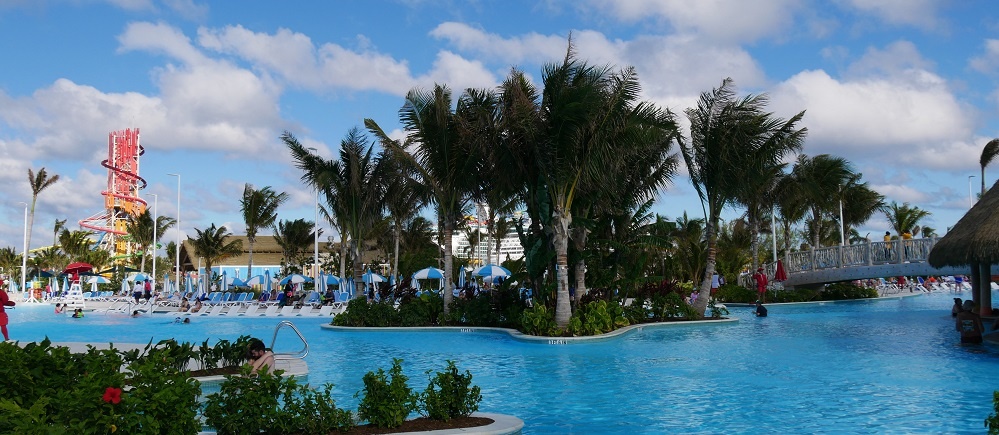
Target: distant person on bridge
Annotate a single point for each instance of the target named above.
(761, 284)
(887, 245)
(969, 324)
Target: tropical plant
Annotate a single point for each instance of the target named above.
(820, 180)
(730, 137)
(450, 394)
(294, 238)
(905, 218)
(387, 399)
(989, 153)
(352, 187)
(58, 225)
(259, 208)
(140, 229)
(210, 244)
(404, 197)
(38, 183)
(10, 260)
(443, 161)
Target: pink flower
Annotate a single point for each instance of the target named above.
(112, 395)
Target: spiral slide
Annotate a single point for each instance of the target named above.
(121, 198)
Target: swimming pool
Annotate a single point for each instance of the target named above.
(888, 366)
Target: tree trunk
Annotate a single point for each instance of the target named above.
(561, 219)
(985, 285)
(343, 257)
(754, 241)
(579, 241)
(448, 266)
(249, 263)
(31, 224)
(395, 262)
(701, 304)
(360, 290)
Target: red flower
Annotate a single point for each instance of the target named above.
(112, 395)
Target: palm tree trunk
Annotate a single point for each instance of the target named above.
(561, 219)
(359, 285)
(31, 224)
(754, 241)
(579, 239)
(704, 293)
(343, 257)
(249, 263)
(448, 266)
(395, 261)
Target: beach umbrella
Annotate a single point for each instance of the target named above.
(491, 270)
(65, 283)
(332, 280)
(97, 279)
(780, 274)
(461, 277)
(45, 274)
(256, 280)
(188, 284)
(321, 283)
(371, 277)
(138, 277)
(429, 273)
(295, 278)
(77, 268)
(267, 279)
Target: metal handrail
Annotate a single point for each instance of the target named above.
(301, 354)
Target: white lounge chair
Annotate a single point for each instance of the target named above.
(250, 310)
(216, 310)
(287, 310)
(326, 311)
(233, 310)
(271, 310)
(305, 311)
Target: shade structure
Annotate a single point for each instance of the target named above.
(491, 270)
(780, 274)
(98, 280)
(45, 274)
(138, 277)
(231, 281)
(974, 238)
(371, 277)
(258, 280)
(332, 280)
(77, 268)
(295, 278)
(429, 273)
(268, 281)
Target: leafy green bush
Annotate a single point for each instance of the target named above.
(423, 310)
(992, 423)
(842, 290)
(736, 294)
(715, 310)
(51, 390)
(539, 321)
(360, 312)
(275, 404)
(670, 306)
(597, 317)
(450, 394)
(387, 401)
(477, 311)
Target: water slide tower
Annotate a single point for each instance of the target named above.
(121, 198)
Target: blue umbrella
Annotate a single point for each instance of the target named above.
(429, 273)
(139, 277)
(267, 279)
(371, 277)
(188, 284)
(332, 279)
(491, 270)
(461, 277)
(295, 278)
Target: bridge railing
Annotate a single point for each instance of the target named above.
(864, 254)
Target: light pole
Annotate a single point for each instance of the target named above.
(971, 201)
(176, 279)
(315, 243)
(156, 200)
(24, 254)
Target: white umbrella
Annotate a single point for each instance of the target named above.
(259, 280)
(429, 273)
(491, 270)
(97, 279)
(372, 277)
(295, 278)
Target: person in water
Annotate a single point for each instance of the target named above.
(969, 324)
(261, 358)
(78, 313)
(761, 311)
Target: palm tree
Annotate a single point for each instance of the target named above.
(988, 154)
(10, 260)
(75, 243)
(38, 183)
(820, 180)
(404, 197)
(294, 238)
(758, 194)
(444, 161)
(860, 202)
(140, 228)
(59, 224)
(259, 211)
(905, 218)
(211, 246)
(730, 137)
(352, 187)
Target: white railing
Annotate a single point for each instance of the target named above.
(865, 254)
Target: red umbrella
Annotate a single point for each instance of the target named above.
(780, 274)
(74, 269)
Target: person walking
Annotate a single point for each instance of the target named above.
(761, 284)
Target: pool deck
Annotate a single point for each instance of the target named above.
(248, 309)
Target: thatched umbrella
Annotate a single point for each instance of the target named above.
(973, 242)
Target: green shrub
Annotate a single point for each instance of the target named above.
(477, 311)
(992, 423)
(360, 312)
(423, 310)
(842, 290)
(597, 317)
(450, 394)
(387, 401)
(715, 310)
(539, 321)
(735, 293)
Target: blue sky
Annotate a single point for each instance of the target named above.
(905, 89)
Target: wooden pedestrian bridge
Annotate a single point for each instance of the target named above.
(861, 261)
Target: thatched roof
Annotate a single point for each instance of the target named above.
(266, 252)
(974, 239)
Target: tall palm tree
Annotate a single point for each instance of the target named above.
(59, 225)
(860, 202)
(988, 154)
(905, 218)
(444, 161)
(758, 194)
(211, 246)
(38, 183)
(75, 243)
(259, 211)
(10, 261)
(404, 197)
(730, 137)
(820, 180)
(294, 238)
(140, 228)
(351, 185)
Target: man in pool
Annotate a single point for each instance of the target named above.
(969, 324)
(261, 358)
(761, 311)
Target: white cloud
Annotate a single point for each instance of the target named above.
(915, 122)
(719, 20)
(901, 193)
(188, 9)
(988, 61)
(898, 59)
(918, 13)
(532, 48)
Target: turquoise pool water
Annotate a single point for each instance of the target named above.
(890, 366)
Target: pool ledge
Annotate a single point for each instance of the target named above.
(879, 298)
(517, 335)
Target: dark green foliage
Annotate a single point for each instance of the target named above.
(842, 290)
(387, 399)
(833, 292)
(272, 403)
(477, 311)
(450, 394)
(423, 310)
(735, 293)
(992, 423)
(360, 312)
(50, 390)
(539, 321)
(597, 317)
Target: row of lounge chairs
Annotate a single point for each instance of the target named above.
(254, 310)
